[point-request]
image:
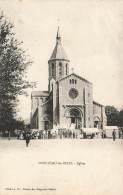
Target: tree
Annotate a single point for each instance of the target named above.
(13, 67)
(113, 116)
(121, 118)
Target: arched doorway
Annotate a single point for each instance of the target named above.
(96, 122)
(74, 116)
(47, 123)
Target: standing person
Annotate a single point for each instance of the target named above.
(114, 134)
(102, 135)
(27, 139)
(48, 134)
(73, 135)
(119, 134)
(18, 136)
(85, 136)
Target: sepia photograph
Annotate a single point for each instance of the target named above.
(61, 97)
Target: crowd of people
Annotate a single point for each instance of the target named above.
(60, 133)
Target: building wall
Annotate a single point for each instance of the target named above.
(34, 120)
(55, 103)
(46, 114)
(99, 111)
(37, 101)
(56, 76)
(59, 102)
(104, 118)
(83, 99)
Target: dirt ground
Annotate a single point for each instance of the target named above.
(61, 167)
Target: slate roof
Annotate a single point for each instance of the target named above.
(96, 103)
(58, 52)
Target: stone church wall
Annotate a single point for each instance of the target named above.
(34, 120)
(45, 114)
(64, 99)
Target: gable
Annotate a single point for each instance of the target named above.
(70, 76)
(80, 87)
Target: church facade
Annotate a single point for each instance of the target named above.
(69, 99)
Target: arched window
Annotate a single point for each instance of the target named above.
(37, 101)
(72, 81)
(53, 70)
(75, 81)
(66, 69)
(60, 69)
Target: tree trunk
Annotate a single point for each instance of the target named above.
(9, 136)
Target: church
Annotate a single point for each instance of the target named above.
(69, 99)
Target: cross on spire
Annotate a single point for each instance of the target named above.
(58, 22)
(58, 37)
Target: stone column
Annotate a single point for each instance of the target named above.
(86, 107)
(103, 117)
(82, 119)
(54, 103)
(40, 122)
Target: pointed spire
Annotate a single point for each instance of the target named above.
(58, 52)
(58, 37)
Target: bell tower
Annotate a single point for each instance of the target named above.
(58, 63)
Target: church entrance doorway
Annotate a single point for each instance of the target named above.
(96, 122)
(46, 125)
(75, 118)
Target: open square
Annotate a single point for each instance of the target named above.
(61, 167)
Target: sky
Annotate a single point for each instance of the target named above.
(92, 37)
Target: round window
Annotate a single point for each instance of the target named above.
(73, 93)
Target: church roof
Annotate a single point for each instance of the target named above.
(75, 76)
(58, 52)
(98, 104)
(40, 93)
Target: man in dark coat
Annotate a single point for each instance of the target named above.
(114, 134)
(27, 139)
